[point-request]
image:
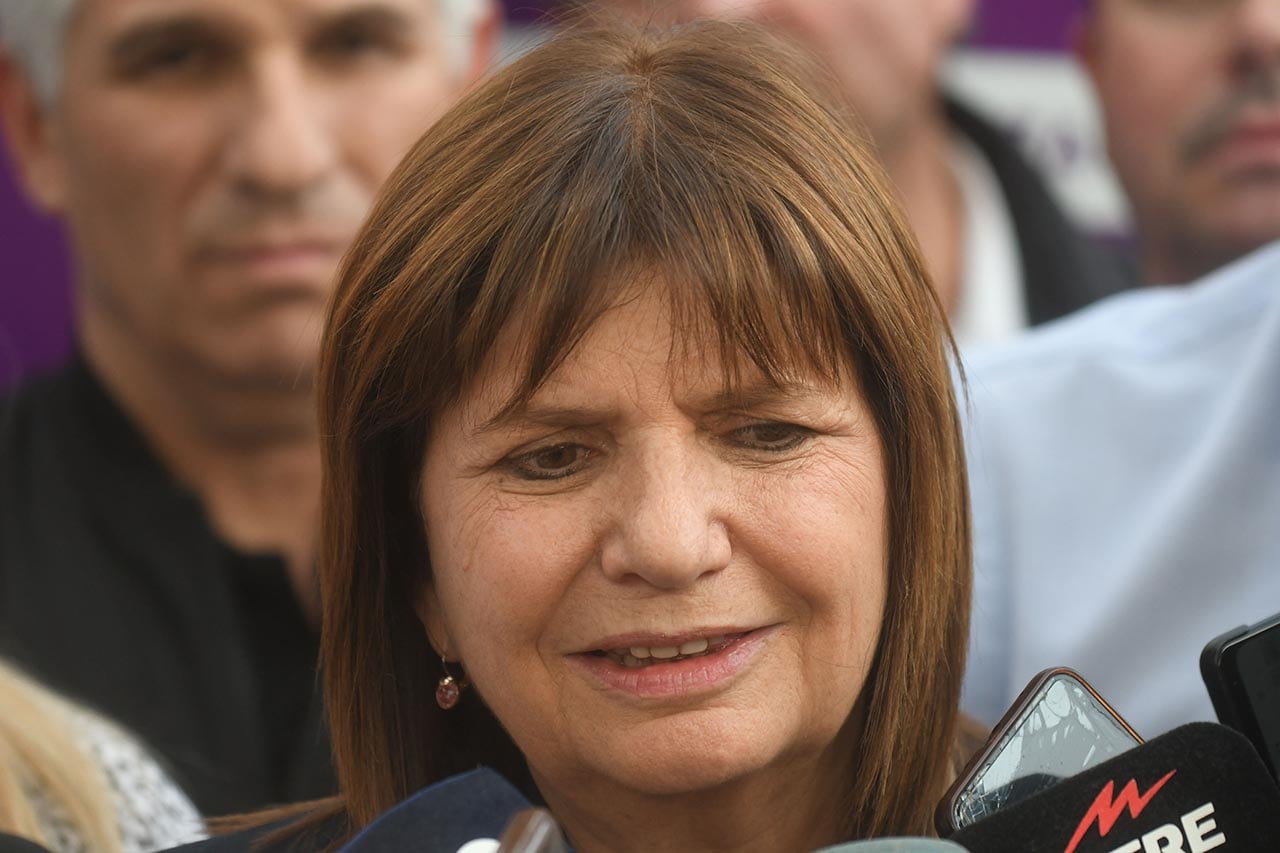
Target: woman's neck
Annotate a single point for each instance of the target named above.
(798, 804)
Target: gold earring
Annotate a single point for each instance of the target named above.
(449, 689)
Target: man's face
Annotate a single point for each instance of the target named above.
(1190, 90)
(214, 158)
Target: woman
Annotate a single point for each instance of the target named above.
(643, 478)
(74, 782)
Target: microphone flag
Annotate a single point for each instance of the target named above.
(1198, 788)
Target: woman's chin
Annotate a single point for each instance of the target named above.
(680, 756)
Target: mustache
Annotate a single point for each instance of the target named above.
(1261, 88)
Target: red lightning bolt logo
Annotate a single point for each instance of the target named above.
(1106, 811)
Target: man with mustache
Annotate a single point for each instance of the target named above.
(1124, 463)
(158, 497)
(1001, 254)
(1190, 93)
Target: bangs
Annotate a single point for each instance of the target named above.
(756, 307)
(766, 226)
(750, 252)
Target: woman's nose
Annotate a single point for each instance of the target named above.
(669, 526)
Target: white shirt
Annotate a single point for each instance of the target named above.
(992, 305)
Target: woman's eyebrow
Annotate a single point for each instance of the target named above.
(757, 393)
(746, 396)
(541, 415)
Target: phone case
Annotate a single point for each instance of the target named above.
(1234, 687)
(1221, 692)
(944, 815)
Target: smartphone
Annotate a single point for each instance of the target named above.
(1241, 670)
(533, 831)
(1057, 728)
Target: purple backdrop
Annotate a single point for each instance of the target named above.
(35, 326)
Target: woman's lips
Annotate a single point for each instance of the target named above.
(668, 679)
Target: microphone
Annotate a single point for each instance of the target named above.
(1198, 788)
(532, 831)
(896, 845)
(466, 812)
(469, 813)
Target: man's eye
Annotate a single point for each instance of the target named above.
(180, 59)
(353, 44)
(550, 463)
(771, 436)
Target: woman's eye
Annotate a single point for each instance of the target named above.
(772, 437)
(550, 463)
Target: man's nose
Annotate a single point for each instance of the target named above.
(669, 527)
(1258, 27)
(281, 143)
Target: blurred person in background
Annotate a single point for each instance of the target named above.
(76, 783)
(1001, 253)
(1190, 94)
(212, 159)
(1125, 467)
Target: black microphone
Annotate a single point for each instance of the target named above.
(1200, 787)
(445, 817)
(14, 844)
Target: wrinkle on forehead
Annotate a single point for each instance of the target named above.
(507, 385)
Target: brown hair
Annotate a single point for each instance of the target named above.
(707, 154)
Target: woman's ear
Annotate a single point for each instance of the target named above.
(431, 615)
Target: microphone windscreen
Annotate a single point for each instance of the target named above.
(444, 817)
(896, 845)
(1200, 787)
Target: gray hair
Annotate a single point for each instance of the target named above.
(32, 32)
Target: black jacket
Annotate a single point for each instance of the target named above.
(1062, 271)
(115, 591)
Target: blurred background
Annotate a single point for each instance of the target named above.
(1015, 67)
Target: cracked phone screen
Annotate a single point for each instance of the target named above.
(1063, 731)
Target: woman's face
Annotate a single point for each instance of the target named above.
(655, 586)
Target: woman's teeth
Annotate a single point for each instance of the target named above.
(641, 656)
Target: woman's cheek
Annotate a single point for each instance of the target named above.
(519, 556)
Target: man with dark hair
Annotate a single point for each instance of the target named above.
(158, 497)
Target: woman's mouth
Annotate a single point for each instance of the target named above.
(638, 657)
(667, 669)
